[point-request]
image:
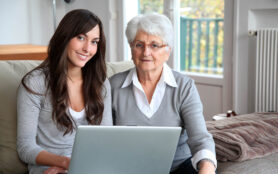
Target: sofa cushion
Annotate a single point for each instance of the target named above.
(265, 165)
(115, 67)
(11, 73)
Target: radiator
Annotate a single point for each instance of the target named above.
(267, 71)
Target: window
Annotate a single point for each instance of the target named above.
(145, 6)
(201, 36)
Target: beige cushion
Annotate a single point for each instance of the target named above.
(265, 165)
(115, 67)
(11, 73)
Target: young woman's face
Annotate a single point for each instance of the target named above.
(83, 47)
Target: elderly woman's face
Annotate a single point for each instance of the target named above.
(149, 52)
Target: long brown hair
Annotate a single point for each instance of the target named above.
(55, 66)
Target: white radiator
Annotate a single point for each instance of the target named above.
(267, 71)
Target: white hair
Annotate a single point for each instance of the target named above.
(153, 24)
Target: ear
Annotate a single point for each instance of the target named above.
(168, 50)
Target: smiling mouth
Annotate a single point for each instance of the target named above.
(146, 60)
(82, 57)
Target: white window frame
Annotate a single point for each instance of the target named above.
(171, 10)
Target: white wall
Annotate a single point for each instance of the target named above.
(14, 22)
(27, 21)
(245, 50)
(41, 20)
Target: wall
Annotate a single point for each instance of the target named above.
(28, 21)
(211, 94)
(14, 17)
(244, 50)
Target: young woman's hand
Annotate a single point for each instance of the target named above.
(49, 159)
(55, 170)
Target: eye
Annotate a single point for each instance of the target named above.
(154, 45)
(139, 45)
(80, 37)
(95, 42)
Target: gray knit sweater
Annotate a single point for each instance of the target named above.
(180, 106)
(36, 129)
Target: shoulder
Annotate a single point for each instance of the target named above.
(36, 76)
(182, 79)
(106, 85)
(118, 79)
(185, 85)
(36, 81)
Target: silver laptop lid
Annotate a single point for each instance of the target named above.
(124, 150)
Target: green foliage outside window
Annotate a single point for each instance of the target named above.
(146, 6)
(208, 35)
(202, 8)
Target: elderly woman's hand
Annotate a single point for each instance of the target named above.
(206, 167)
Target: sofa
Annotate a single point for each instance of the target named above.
(11, 72)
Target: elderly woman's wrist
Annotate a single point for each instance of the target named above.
(206, 163)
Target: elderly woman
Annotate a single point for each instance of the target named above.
(151, 94)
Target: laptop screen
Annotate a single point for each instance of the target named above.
(124, 149)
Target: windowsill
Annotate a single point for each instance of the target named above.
(202, 78)
(203, 75)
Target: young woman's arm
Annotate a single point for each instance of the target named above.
(28, 110)
(29, 107)
(50, 159)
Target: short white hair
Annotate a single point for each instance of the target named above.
(153, 24)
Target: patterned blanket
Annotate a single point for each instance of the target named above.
(245, 137)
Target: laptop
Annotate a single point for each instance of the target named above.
(124, 150)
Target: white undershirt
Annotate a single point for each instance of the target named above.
(77, 115)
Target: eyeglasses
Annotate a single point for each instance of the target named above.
(140, 46)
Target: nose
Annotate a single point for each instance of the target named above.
(86, 46)
(147, 50)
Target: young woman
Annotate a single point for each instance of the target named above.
(68, 89)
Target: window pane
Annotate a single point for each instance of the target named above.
(202, 33)
(146, 6)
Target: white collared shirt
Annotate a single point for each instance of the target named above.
(145, 107)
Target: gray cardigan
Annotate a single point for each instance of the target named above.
(36, 129)
(180, 106)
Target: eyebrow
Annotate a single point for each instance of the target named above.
(97, 38)
(153, 41)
